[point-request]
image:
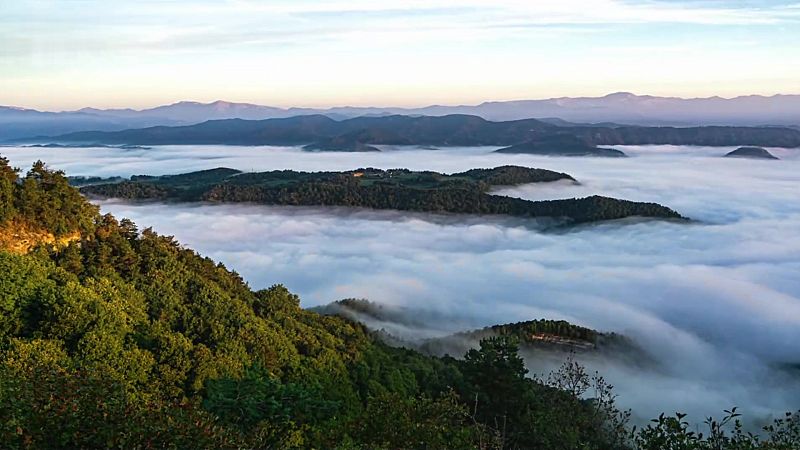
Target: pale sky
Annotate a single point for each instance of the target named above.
(66, 54)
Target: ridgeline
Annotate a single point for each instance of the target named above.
(322, 133)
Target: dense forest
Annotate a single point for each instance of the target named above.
(400, 189)
(122, 338)
(362, 133)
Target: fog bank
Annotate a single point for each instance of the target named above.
(718, 302)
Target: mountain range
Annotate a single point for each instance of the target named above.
(321, 133)
(622, 107)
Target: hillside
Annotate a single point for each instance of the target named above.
(323, 133)
(399, 189)
(561, 145)
(751, 152)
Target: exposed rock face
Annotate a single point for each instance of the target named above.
(20, 238)
(751, 152)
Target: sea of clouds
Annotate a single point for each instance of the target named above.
(717, 302)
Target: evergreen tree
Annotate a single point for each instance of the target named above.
(8, 181)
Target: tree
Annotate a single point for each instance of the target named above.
(496, 374)
(278, 413)
(48, 201)
(8, 181)
(393, 421)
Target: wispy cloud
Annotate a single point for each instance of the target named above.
(222, 23)
(46, 42)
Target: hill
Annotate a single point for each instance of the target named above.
(561, 145)
(750, 152)
(322, 133)
(408, 327)
(540, 335)
(400, 189)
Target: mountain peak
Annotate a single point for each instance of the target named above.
(187, 103)
(621, 95)
(15, 108)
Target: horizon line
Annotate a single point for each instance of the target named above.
(420, 106)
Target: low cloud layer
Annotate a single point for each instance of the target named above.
(717, 302)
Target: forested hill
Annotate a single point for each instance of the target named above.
(531, 332)
(122, 338)
(40, 208)
(414, 327)
(359, 134)
(399, 189)
(549, 335)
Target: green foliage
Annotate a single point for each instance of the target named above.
(560, 328)
(394, 421)
(528, 333)
(45, 198)
(675, 433)
(24, 284)
(278, 413)
(45, 406)
(522, 412)
(8, 180)
(497, 374)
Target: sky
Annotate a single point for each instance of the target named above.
(67, 54)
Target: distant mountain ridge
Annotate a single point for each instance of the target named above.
(18, 123)
(319, 132)
(631, 109)
(621, 107)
